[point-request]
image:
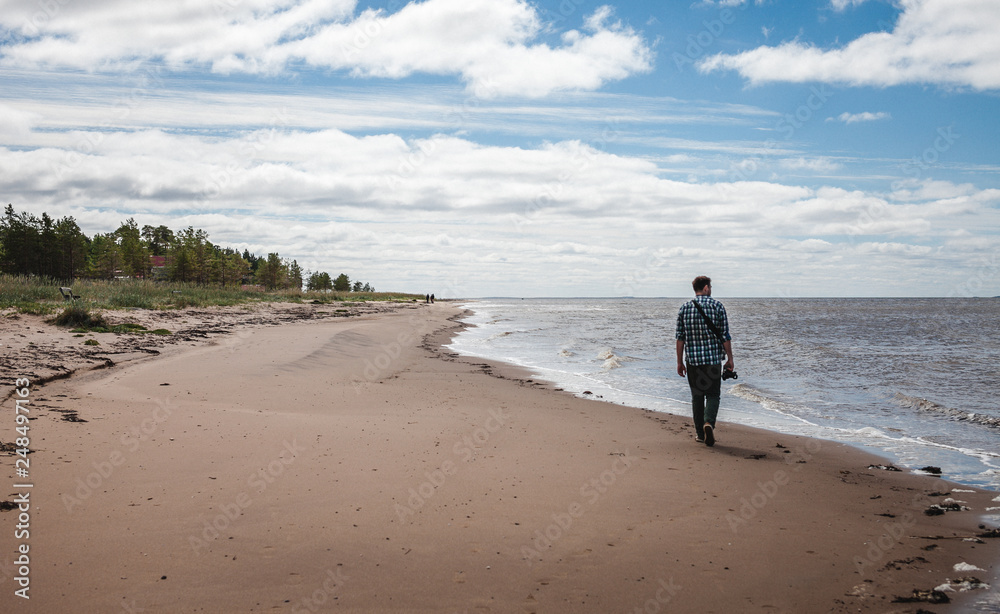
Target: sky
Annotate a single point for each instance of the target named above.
(476, 148)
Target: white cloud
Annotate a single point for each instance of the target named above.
(951, 43)
(15, 123)
(817, 165)
(114, 33)
(900, 249)
(490, 44)
(841, 5)
(854, 118)
(729, 2)
(390, 210)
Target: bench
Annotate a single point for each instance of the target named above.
(67, 294)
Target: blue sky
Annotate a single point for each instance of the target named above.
(504, 147)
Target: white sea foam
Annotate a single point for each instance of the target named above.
(967, 567)
(612, 360)
(612, 363)
(871, 431)
(748, 392)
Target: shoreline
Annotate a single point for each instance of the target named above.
(495, 493)
(752, 404)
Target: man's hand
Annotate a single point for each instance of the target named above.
(729, 366)
(681, 369)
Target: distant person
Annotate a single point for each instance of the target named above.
(432, 298)
(427, 298)
(700, 351)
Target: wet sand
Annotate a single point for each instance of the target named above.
(351, 464)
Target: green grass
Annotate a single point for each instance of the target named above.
(36, 295)
(81, 318)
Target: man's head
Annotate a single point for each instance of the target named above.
(702, 284)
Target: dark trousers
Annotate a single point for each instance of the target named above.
(706, 386)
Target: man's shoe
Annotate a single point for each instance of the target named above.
(699, 439)
(709, 435)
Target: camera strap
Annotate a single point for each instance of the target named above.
(711, 325)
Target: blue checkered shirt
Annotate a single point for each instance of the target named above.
(701, 345)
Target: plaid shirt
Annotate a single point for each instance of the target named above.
(701, 345)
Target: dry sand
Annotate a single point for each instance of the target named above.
(353, 465)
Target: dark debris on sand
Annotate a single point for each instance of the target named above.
(919, 596)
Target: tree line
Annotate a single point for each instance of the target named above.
(31, 245)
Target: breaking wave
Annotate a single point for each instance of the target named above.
(748, 392)
(611, 360)
(930, 406)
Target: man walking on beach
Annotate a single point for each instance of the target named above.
(704, 352)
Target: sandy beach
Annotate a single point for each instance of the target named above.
(301, 459)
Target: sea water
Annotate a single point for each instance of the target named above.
(914, 380)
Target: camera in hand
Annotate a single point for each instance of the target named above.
(729, 374)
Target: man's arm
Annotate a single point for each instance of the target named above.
(727, 344)
(681, 369)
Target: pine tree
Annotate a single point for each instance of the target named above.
(134, 251)
(342, 283)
